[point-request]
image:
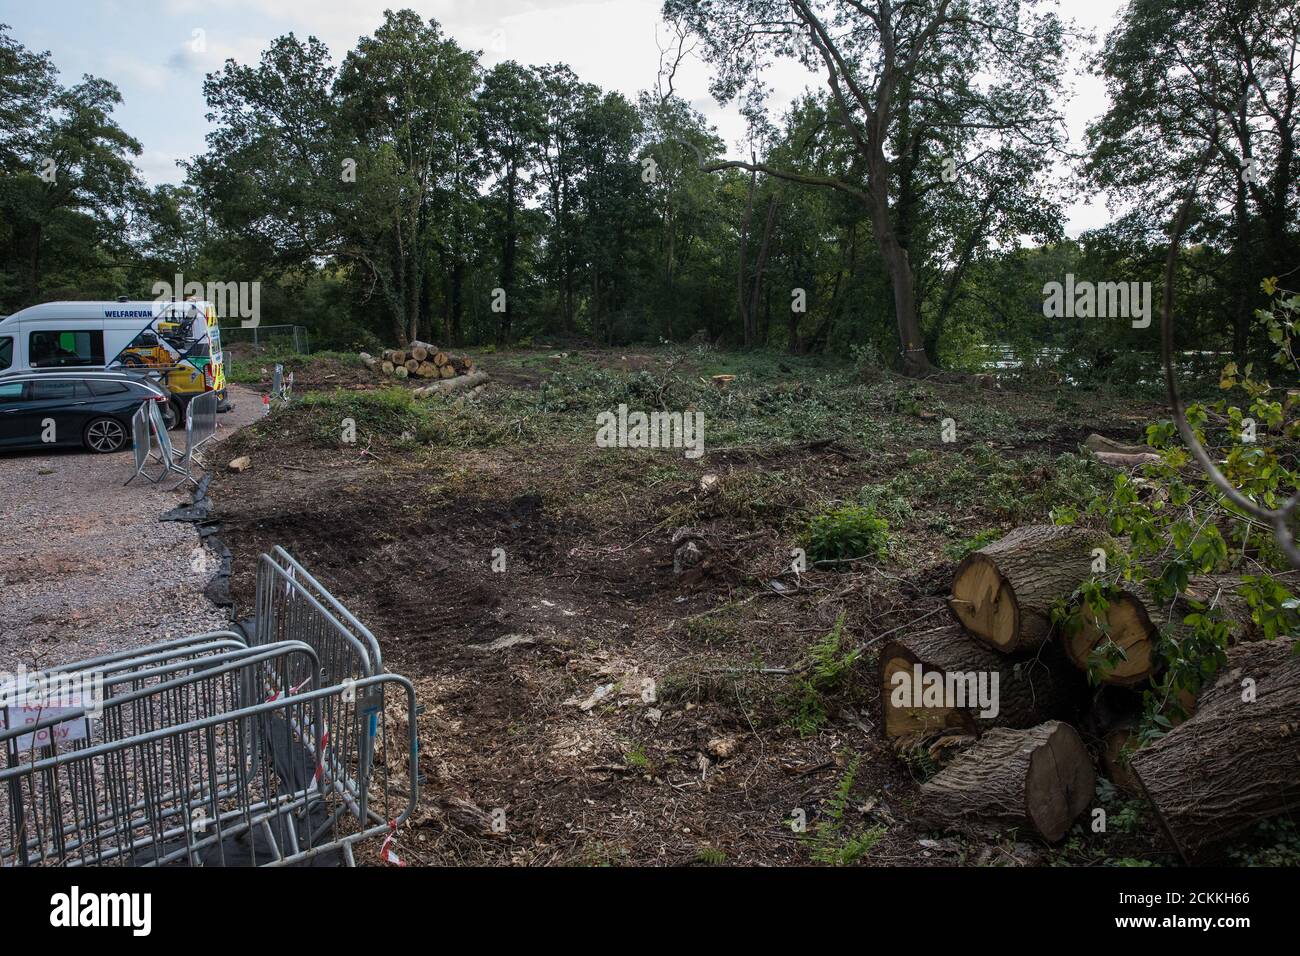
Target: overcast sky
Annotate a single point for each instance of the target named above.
(146, 47)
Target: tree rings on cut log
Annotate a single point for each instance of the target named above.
(1236, 761)
(1004, 593)
(1134, 621)
(1039, 779)
(1129, 627)
(1029, 690)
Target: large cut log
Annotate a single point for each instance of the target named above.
(450, 385)
(1122, 648)
(415, 344)
(930, 683)
(1038, 779)
(1100, 443)
(1237, 760)
(1004, 593)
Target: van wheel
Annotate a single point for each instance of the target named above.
(105, 436)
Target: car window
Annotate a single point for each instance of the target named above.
(11, 391)
(50, 348)
(44, 390)
(107, 388)
(6, 351)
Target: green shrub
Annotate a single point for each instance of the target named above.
(846, 534)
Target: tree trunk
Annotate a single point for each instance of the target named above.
(509, 242)
(1038, 779)
(751, 333)
(1028, 690)
(458, 383)
(456, 322)
(898, 264)
(1004, 593)
(1236, 761)
(740, 265)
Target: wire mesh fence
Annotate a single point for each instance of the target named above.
(272, 338)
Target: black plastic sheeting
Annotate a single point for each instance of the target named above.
(199, 514)
(294, 766)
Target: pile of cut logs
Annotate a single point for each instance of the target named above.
(452, 374)
(1233, 762)
(419, 360)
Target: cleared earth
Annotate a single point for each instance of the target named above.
(616, 709)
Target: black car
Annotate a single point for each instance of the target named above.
(92, 410)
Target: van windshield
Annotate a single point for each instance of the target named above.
(6, 352)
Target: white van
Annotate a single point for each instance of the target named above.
(179, 341)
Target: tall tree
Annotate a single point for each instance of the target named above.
(405, 98)
(909, 82)
(1182, 74)
(511, 123)
(80, 187)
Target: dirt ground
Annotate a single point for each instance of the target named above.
(619, 712)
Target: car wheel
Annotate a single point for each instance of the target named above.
(173, 415)
(105, 436)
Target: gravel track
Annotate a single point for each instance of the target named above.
(86, 567)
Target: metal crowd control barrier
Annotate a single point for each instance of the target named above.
(291, 604)
(281, 385)
(200, 427)
(150, 439)
(201, 420)
(207, 750)
(142, 444)
(198, 793)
